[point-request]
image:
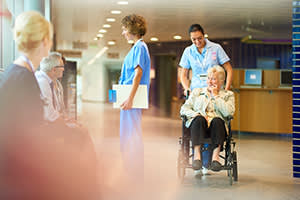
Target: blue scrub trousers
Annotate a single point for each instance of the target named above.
(131, 143)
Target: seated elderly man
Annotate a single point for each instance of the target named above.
(206, 110)
(51, 68)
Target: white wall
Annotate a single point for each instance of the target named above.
(93, 82)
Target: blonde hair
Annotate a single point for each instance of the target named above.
(31, 28)
(219, 70)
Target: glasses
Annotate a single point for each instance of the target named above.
(60, 66)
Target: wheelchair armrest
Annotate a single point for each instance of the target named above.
(229, 118)
(184, 118)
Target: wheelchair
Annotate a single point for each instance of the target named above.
(185, 154)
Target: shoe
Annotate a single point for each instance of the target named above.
(196, 165)
(204, 171)
(216, 166)
(198, 173)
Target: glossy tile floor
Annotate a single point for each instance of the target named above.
(264, 163)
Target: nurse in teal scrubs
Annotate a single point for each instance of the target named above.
(199, 57)
(135, 71)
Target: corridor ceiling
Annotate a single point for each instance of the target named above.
(77, 22)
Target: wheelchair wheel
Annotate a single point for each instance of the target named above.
(230, 174)
(234, 166)
(180, 166)
(230, 168)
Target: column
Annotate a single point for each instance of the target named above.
(296, 89)
(38, 5)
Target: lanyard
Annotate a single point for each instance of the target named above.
(203, 63)
(25, 59)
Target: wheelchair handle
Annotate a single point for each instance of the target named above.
(187, 94)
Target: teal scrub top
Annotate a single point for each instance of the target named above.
(213, 54)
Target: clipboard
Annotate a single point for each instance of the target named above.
(120, 93)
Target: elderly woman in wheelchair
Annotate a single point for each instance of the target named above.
(206, 111)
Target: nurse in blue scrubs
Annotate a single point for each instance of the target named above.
(135, 71)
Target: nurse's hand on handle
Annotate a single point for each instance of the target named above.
(187, 92)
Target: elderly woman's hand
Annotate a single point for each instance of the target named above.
(213, 89)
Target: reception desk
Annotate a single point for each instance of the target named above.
(267, 109)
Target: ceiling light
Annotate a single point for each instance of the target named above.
(123, 2)
(106, 25)
(205, 35)
(111, 42)
(154, 39)
(99, 35)
(102, 31)
(177, 37)
(115, 12)
(95, 38)
(130, 41)
(110, 19)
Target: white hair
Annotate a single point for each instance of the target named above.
(51, 61)
(219, 70)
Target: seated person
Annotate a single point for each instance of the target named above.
(60, 92)
(51, 68)
(206, 110)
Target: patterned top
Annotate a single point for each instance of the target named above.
(200, 102)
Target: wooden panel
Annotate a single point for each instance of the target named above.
(271, 78)
(237, 75)
(268, 111)
(235, 125)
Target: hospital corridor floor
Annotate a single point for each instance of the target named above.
(264, 163)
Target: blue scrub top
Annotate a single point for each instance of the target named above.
(138, 55)
(212, 54)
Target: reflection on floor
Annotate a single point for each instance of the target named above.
(264, 163)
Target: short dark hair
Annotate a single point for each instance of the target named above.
(196, 27)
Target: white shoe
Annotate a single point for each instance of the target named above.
(204, 171)
(198, 172)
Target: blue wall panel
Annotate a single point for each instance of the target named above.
(296, 88)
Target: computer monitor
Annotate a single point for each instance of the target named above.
(253, 77)
(286, 78)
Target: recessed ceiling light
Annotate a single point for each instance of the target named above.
(205, 35)
(177, 37)
(123, 2)
(115, 12)
(130, 41)
(102, 31)
(111, 42)
(154, 39)
(106, 25)
(99, 35)
(95, 38)
(110, 19)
